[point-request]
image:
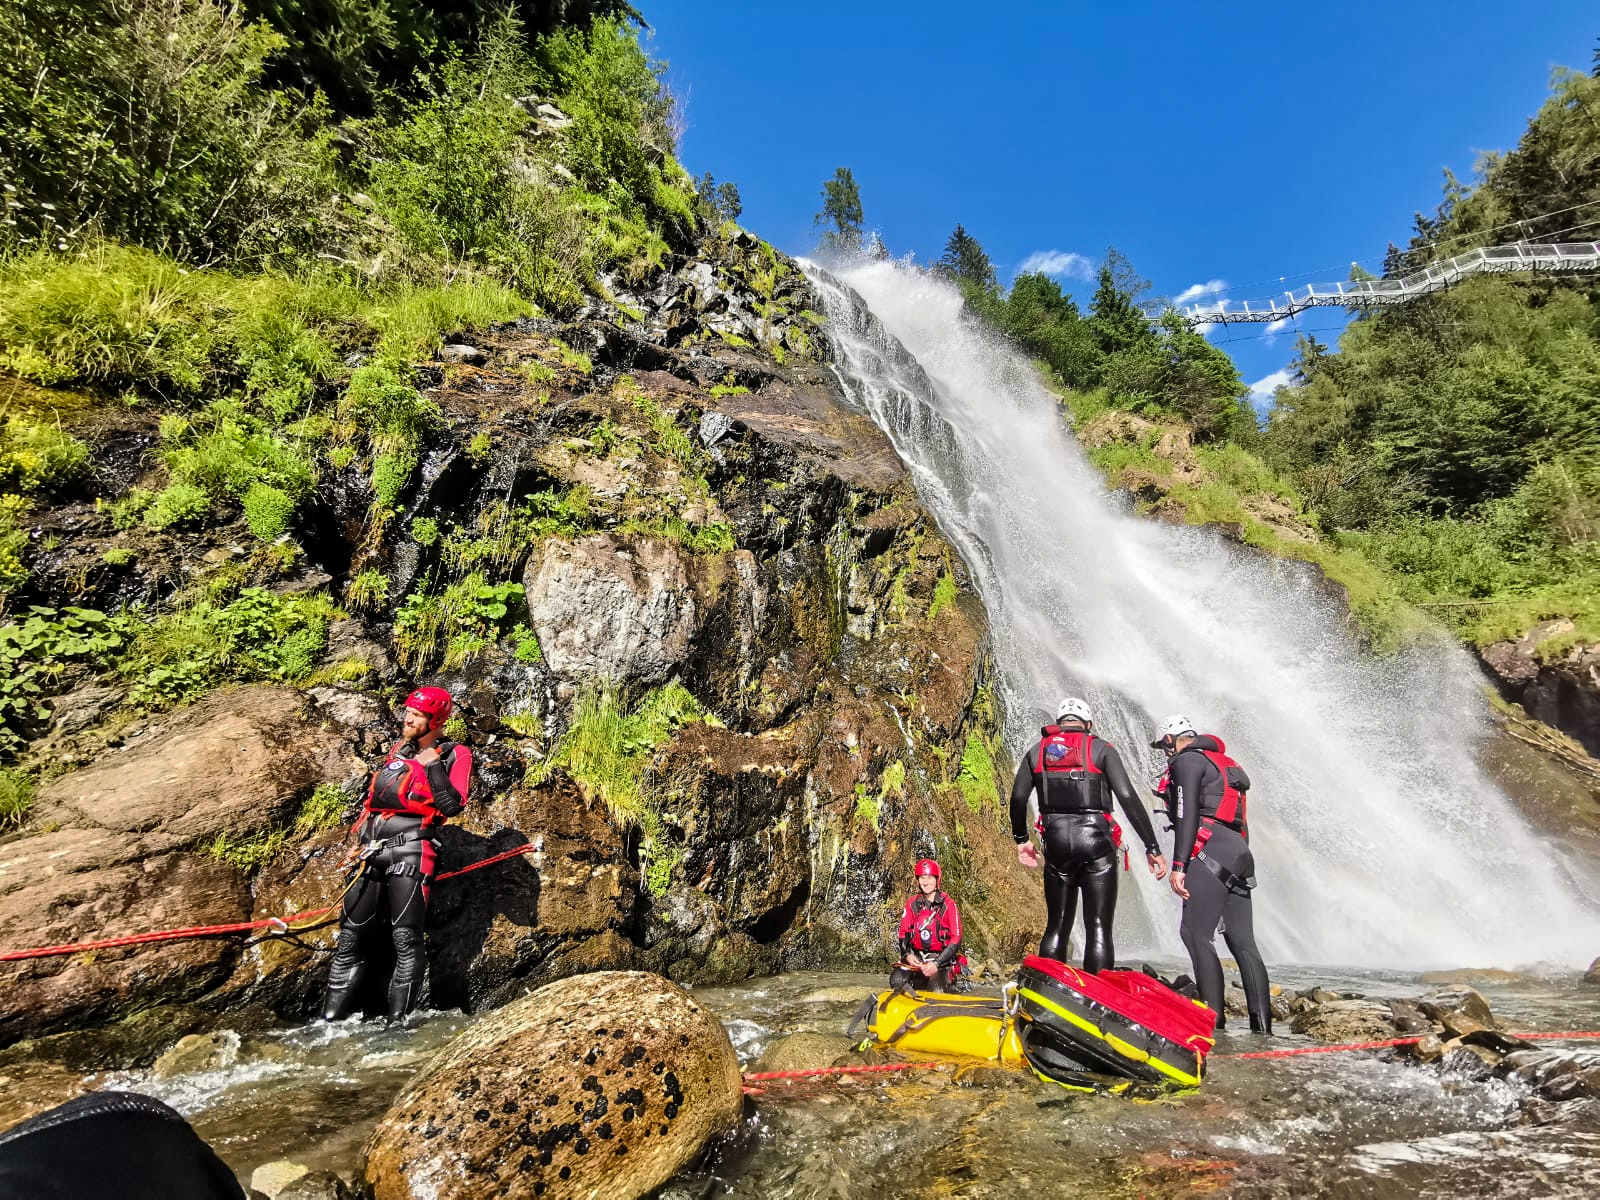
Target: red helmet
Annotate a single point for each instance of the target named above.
(926, 866)
(433, 701)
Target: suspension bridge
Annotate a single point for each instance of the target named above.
(1544, 258)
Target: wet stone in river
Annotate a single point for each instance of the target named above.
(609, 1083)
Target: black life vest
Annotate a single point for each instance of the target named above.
(1065, 773)
(400, 785)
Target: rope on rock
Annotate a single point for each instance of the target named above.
(1405, 1041)
(278, 925)
(875, 1069)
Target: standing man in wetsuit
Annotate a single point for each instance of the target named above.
(421, 783)
(1213, 870)
(1075, 774)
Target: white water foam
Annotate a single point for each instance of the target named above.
(1379, 842)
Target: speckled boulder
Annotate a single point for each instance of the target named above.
(601, 1085)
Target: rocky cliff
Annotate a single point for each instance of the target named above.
(714, 660)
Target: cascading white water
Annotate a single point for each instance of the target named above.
(1378, 840)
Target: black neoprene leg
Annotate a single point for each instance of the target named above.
(408, 910)
(1098, 880)
(1239, 932)
(348, 967)
(1201, 912)
(1060, 906)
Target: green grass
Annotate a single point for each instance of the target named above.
(944, 594)
(321, 810)
(39, 454)
(249, 853)
(16, 798)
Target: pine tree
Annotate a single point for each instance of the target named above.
(965, 262)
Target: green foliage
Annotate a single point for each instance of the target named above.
(118, 556)
(256, 637)
(16, 798)
(179, 504)
(396, 416)
(13, 541)
(390, 474)
(425, 530)
(37, 649)
(248, 852)
(321, 810)
(526, 648)
(37, 455)
(368, 591)
(944, 594)
(268, 511)
(841, 216)
(965, 263)
(718, 203)
(976, 776)
(146, 122)
(466, 617)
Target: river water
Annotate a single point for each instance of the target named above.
(1341, 1125)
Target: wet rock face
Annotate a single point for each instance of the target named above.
(1562, 690)
(601, 1085)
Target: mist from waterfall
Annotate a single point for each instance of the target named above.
(1379, 842)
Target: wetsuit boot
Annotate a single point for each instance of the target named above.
(344, 976)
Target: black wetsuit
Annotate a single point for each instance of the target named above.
(1219, 883)
(1078, 852)
(405, 806)
(114, 1144)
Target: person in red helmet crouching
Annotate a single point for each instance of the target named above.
(930, 936)
(421, 783)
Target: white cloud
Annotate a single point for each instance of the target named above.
(1212, 287)
(1274, 328)
(1262, 389)
(1060, 263)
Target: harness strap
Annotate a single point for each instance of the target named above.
(1241, 884)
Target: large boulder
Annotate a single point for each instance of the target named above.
(614, 610)
(599, 1085)
(231, 763)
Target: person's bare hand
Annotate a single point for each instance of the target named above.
(929, 969)
(1158, 865)
(1178, 884)
(1027, 854)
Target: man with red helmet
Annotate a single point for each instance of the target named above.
(930, 935)
(421, 783)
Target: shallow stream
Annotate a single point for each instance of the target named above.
(1342, 1125)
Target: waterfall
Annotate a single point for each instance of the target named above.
(1379, 842)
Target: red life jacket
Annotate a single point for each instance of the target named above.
(401, 785)
(1227, 804)
(1068, 779)
(930, 923)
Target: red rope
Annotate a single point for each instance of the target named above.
(199, 931)
(759, 1076)
(1405, 1041)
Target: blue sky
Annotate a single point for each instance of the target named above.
(1214, 145)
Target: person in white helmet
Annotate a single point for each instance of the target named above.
(1075, 775)
(1213, 870)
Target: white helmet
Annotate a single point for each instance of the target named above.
(1173, 727)
(1073, 707)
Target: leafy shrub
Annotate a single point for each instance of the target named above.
(146, 120)
(118, 556)
(13, 541)
(396, 416)
(976, 777)
(466, 617)
(35, 650)
(34, 456)
(425, 531)
(177, 504)
(257, 636)
(268, 511)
